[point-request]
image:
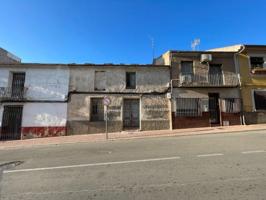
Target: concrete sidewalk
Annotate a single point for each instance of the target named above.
(127, 135)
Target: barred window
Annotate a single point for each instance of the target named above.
(97, 109)
(188, 107)
(230, 105)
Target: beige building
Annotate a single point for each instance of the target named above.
(138, 95)
(205, 88)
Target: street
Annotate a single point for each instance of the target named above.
(218, 166)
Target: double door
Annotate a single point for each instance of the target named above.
(131, 113)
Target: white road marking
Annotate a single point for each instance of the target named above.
(93, 164)
(209, 155)
(256, 151)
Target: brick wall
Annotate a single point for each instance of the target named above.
(191, 122)
(233, 118)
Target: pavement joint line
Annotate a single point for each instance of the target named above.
(92, 164)
(210, 155)
(255, 151)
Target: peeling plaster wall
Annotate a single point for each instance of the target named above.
(153, 108)
(41, 83)
(148, 79)
(44, 114)
(154, 113)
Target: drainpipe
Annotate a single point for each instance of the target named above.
(171, 93)
(239, 81)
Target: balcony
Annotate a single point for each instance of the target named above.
(9, 94)
(208, 80)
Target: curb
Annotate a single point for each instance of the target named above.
(21, 144)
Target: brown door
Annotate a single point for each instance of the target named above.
(18, 81)
(131, 113)
(11, 123)
(214, 108)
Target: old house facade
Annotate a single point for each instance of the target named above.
(33, 100)
(205, 88)
(137, 94)
(252, 65)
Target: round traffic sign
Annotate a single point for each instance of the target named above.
(106, 101)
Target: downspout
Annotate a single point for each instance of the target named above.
(237, 68)
(171, 93)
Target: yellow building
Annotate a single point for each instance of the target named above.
(251, 67)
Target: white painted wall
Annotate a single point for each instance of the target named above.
(44, 114)
(41, 83)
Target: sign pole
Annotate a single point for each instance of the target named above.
(106, 123)
(106, 103)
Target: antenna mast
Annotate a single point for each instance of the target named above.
(195, 44)
(152, 47)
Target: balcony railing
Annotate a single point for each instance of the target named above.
(208, 80)
(17, 94)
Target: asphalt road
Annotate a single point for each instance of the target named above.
(220, 166)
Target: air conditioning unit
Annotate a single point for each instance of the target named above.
(186, 79)
(206, 58)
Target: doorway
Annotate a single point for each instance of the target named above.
(216, 75)
(11, 123)
(214, 108)
(131, 114)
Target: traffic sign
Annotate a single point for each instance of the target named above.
(106, 101)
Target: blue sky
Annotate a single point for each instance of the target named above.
(119, 31)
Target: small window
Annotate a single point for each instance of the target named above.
(186, 67)
(256, 62)
(97, 109)
(260, 100)
(99, 81)
(188, 107)
(131, 80)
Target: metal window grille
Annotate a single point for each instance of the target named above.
(97, 109)
(188, 107)
(230, 105)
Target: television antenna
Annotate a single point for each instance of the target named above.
(195, 44)
(152, 46)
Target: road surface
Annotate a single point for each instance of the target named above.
(218, 166)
